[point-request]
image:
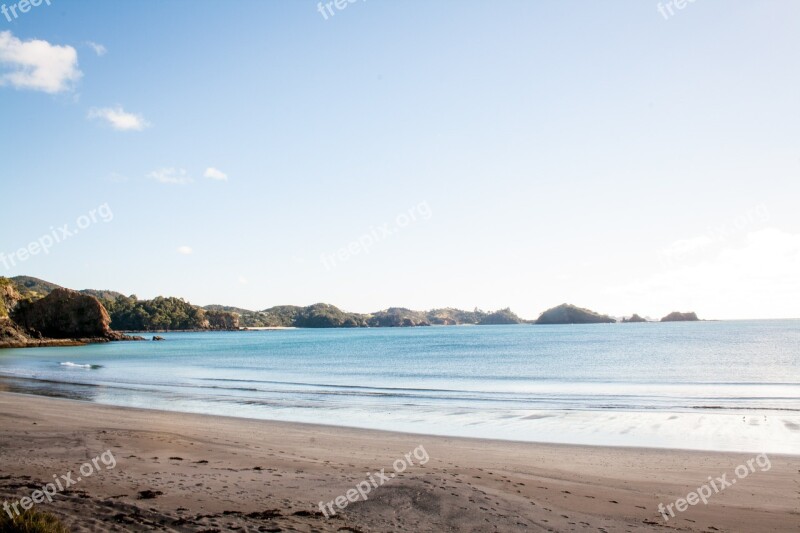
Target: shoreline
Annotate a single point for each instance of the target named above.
(743, 427)
(392, 433)
(6, 388)
(224, 472)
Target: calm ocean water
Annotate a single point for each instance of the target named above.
(731, 385)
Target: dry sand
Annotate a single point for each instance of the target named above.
(209, 473)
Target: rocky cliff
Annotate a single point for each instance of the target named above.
(65, 314)
(9, 296)
(11, 336)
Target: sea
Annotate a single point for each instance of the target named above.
(711, 385)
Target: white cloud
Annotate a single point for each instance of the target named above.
(119, 119)
(37, 64)
(185, 250)
(117, 178)
(243, 280)
(685, 246)
(215, 174)
(99, 49)
(177, 176)
(758, 278)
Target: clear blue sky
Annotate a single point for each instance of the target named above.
(590, 152)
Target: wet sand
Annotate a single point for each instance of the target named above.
(185, 472)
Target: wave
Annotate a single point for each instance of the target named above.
(70, 364)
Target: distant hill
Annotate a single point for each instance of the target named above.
(227, 308)
(31, 288)
(570, 314)
(677, 316)
(503, 316)
(634, 318)
(102, 295)
(128, 313)
(395, 317)
(451, 317)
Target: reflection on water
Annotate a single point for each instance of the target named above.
(53, 389)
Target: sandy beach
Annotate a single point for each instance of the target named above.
(185, 472)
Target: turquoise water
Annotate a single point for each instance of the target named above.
(731, 385)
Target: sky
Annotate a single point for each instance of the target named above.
(407, 153)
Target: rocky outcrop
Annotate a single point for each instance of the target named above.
(223, 320)
(570, 314)
(11, 336)
(65, 314)
(677, 316)
(9, 296)
(633, 318)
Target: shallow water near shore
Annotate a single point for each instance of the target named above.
(732, 385)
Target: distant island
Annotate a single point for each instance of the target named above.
(34, 312)
(571, 314)
(677, 316)
(633, 318)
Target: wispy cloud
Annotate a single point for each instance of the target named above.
(685, 246)
(176, 176)
(215, 174)
(119, 119)
(185, 250)
(99, 49)
(37, 65)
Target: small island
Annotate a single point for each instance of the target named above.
(677, 316)
(633, 318)
(571, 314)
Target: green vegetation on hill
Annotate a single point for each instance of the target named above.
(503, 316)
(314, 316)
(102, 295)
(31, 288)
(633, 318)
(128, 313)
(677, 316)
(570, 314)
(396, 317)
(247, 318)
(6, 291)
(451, 317)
